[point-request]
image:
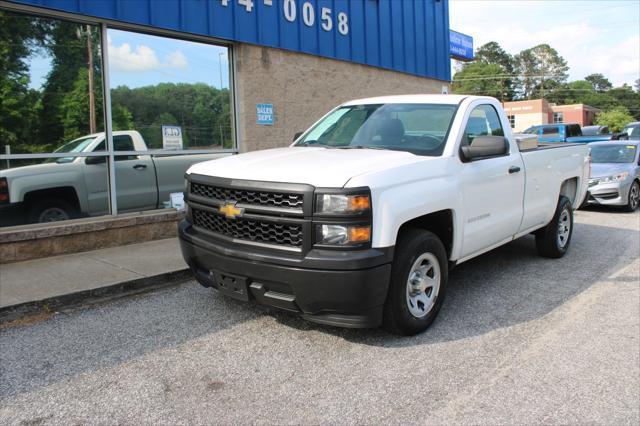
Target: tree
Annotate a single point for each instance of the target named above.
(492, 53)
(479, 78)
(615, 118)
(599, 82)
(540, 69)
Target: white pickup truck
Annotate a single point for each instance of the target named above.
(359, 221)
(69, 187)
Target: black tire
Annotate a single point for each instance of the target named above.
(413, 244)
(548, 241)
(38, 210)
(632, 204)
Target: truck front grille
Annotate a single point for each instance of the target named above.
(281, 234)
(261, 198)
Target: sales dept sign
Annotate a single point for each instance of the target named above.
(264, 113)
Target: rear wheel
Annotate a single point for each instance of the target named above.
(634, 197)
(553, 240)
(418, 283)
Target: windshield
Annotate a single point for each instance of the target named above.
(77, 145)
(417, 128)
(613, 153)
(633, 132)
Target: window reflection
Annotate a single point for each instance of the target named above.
(162, 82)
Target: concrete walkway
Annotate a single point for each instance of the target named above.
(88, 272)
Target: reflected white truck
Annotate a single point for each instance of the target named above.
(69, 187)
(359, 221)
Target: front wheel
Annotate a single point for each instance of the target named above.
(418, 283)
(634, 197)
(553, 240)
(51, 210)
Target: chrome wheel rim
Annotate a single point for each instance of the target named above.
(564, 228)
(423, 285)
(634, 196)
(53, 214)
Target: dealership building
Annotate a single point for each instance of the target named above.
(139, 90)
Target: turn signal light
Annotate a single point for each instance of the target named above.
(360, 234)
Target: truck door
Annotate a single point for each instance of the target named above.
(492, 187)
(135, 178)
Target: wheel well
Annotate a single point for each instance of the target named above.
(67, 193)
(569, 189)
(440, 223)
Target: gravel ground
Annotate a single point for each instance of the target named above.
(520, 339)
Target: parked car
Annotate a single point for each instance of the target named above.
(595, 130)
(69, 187)
(565, 132)
(359, 221)
(632, 130)
(615, 174)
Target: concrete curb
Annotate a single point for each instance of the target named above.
(96, 295)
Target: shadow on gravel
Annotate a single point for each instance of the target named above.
(510, 285)
(504, 287)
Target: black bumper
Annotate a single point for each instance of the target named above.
(341, 288)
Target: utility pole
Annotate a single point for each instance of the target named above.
(220, 54)
(92, 100)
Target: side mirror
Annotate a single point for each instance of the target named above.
(297, 135)
(485, 146)
(95, 160)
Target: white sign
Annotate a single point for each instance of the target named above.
(177, 200)
(171, 137)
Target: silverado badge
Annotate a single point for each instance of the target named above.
(230, 211)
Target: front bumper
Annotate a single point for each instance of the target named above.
(341, 288)
(609, 194)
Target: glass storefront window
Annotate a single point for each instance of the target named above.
(169, 98)
(51, 82)
(174, 93)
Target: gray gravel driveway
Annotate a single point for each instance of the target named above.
(520, 339)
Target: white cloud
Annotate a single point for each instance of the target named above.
(142, 58)
(588, 44)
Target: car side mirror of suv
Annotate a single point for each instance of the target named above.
(485, 146)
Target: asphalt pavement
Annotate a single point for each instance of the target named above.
(520, 339)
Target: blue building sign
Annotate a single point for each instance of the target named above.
(264, 113)
(461, 46)
(410, 36)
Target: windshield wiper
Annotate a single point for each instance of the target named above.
(310, 143)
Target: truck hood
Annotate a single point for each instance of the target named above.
(608, 169)
(36, 169)
(320, 167)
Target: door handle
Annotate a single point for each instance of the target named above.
(140, 166)
(514, 169)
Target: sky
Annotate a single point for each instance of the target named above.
(598, 36)
(137, 60)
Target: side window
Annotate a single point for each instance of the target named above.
(551, 132)
(124, 143)
(483, 121)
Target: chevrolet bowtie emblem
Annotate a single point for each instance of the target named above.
(230, 211)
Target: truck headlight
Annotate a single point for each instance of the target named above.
(614, 178)
(343, 203)
(343, 235)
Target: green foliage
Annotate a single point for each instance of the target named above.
(599, 82)
(202, 111)
(615, 118)
(492, 53)
(540, 69)
(476, 78)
